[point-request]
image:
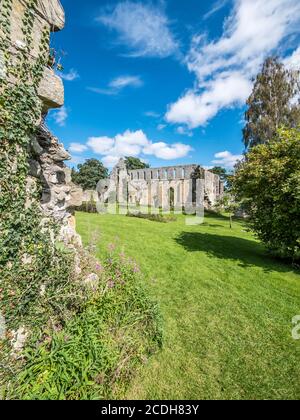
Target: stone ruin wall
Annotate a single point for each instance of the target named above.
(47, 155)
(214, 188)
(151, 186)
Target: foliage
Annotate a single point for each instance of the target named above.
(219, 170)
(154, 217)
(267, 183)
(274, 103)
(89, 174)
(88, 207)
(225, 176)
(228, 204)
(96, 353)
(135, 163)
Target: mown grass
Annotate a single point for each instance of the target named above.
(227, 309)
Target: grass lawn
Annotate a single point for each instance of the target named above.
(227, 308)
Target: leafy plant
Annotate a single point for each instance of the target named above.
(267, 184)
(89, 174)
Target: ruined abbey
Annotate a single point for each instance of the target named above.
(165, 187)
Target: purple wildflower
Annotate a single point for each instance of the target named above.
(111, 284)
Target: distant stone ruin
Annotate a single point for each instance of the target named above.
(165, 187)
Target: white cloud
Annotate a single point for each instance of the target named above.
(224, 68)
(226, 159)
(100, 145)
(165, 151)
(184, 132)
(77, 148)
(143, 28)
(116, 85)
(226, 90)
(161, 127)
(124, 81)
(110, 161)
(152, 114)
(69, 77)
(134, 143)
(60, 116)
(215, 8)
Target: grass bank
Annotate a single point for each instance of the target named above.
(227, 308)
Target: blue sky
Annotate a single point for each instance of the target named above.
(165, 80)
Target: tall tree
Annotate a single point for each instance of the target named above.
(89, 174)
(274, 103)
(135, 163)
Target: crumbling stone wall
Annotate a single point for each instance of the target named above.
(47, 154)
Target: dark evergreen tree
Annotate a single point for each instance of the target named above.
(274, 103)
(89, 174)
(135, 163)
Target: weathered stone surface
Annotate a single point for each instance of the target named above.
(53, 12)
(51, 90)
(75, 198)
(152, 186)
(19, 339)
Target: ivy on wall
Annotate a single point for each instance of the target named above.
(32, 266)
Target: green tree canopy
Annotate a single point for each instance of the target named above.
(267, 184)
(135, 163)
(89, 174)
(224, 174)
(273, 103)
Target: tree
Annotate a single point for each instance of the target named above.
(228, 204)
(224, 175)
(267, 183)
(135, 163)
(274, 103)
(89, 174)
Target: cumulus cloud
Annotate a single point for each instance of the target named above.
(226, 159)
(134, 143)
(224, 68)
(60, 116)
(143, 28)
(77, 148)
(70, 76)
(116, 85)
(165, 151)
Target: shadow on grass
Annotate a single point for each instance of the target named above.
(248, 253)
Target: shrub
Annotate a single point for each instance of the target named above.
(95, 353)
(88, 207)
(267, 183)
(154, 217)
